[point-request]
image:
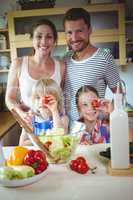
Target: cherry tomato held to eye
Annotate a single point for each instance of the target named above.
(96, 103)
(45, 100)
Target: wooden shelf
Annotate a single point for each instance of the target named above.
(3, 30)
(129, 21)
(131, 42)
(4, 70)
(4, 50)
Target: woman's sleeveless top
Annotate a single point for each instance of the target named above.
(26, 82)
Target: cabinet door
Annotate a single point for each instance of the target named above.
(4, 50)
(129, 41)
(111, 34)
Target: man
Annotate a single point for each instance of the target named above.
(87, 65)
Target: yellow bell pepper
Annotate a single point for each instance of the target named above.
(16, 156)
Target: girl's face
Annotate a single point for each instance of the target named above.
(39, 106)
(43, 40)
(86, 110)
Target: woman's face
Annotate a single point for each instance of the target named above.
(86, 110)
(43, 40)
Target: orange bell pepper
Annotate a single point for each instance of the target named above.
(16, 156)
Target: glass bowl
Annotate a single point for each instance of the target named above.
(61, 147)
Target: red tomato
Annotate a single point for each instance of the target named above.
(81, 159)
(73, 165)
(45, 100)
(37, 160)
(83, 168)
(47, 144)
(96, 103)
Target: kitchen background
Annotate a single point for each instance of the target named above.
(126, 75)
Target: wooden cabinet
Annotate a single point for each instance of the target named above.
(21, 39)
(4, 50)
(129, 41)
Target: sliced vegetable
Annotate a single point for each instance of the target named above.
(16, 172)
(16, 156)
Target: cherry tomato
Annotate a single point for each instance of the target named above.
(47, 144)
(73, 165)
(83, 168)
(96, 103)
(45, 100)
(81, 159)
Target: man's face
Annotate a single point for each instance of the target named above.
(77, 35)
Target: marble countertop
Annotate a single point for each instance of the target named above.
(63, 184)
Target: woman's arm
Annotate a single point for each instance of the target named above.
(11, 97)
(13, 85)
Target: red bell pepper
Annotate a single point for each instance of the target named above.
(37, 160)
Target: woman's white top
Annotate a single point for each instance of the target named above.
(26, 82)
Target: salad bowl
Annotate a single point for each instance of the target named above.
(61, 147)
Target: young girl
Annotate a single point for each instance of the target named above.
(47, 109)
(93, 113)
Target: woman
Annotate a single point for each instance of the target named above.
(27, 70)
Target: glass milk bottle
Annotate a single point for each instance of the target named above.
(119, 135)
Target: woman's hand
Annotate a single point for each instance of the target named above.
(25, 115)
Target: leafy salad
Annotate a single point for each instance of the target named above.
(60, 146)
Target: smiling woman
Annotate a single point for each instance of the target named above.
(26, 71)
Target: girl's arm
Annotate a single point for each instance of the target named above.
(60, 121)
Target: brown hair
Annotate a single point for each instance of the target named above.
(74, 14)
(45, 22)
(85, 88)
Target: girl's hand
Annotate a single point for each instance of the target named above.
(102, 104)
(50, 102)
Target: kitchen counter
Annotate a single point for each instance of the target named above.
(6, 123)
(63, 184)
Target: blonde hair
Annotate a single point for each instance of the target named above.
(48, 86)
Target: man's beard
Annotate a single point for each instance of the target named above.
(78, 50)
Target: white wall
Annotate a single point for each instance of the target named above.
(127, 77)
